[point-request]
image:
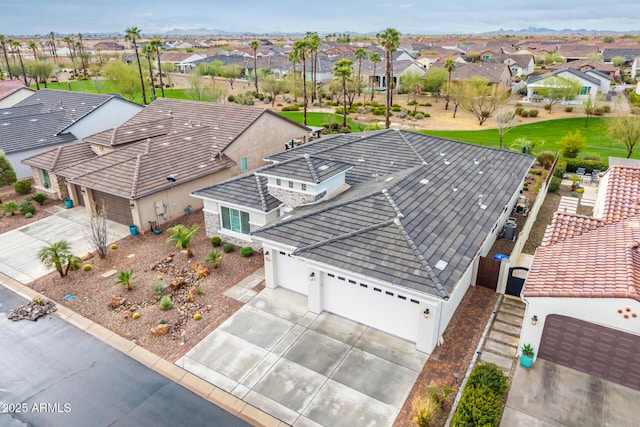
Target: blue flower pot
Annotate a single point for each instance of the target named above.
(68, 203)
(133, 229)
(526, 361)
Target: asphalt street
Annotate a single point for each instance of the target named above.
(53, 374)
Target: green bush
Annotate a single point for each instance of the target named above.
(547, 107)
(478, 407)
(518, 105)
(588, 165)
(10, 208)
(39, 198)
(425, 104)
(546, 158)
(331, 127)
(524, 113)
(28, 215)
(166, 303)
(561, 168)
(231, 98)
(22, 187)
(396, 108)
(290, 108)
(568, 109)
(599, 111)
(26, 207)
(216, 241)
(572, 143)
(490, 375)
(228, 247)
(554, 185)
(246, 251)
(345, 129)
(533, 112)
(412, 102)
(519, 110)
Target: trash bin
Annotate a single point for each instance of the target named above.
(133, 229)
(509, 230)
(500, 257)
(68, 203)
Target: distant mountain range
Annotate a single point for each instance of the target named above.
(534, 30)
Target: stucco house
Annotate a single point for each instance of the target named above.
(51, 118)
(520, 64)
(12, 92)
(590, 86)
(385, 228)
(144, 170)
(494, 72)
(583, 289)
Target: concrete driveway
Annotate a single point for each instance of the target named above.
(19, 247)
(307, 369)
(551, 395)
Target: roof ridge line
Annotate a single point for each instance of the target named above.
(415, 151)
(56, 157)
(394, 205)
(344, 236)
(440, 289)
(314, 174)
(136, 175)
(263, 199)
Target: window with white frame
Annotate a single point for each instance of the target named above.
(235, 220)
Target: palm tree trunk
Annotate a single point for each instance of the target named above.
(6, 59)
(160, 71)
(446, 106)
(153, 89)
(344, 102)
(24, 72)
(373, 82)
(359, 77)
(255, 68)
(295, 79)
(387, 121)
(144, 94)
(304, 89)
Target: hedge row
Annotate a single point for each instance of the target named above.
(481, 403)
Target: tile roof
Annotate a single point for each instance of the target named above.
(489, 70)
(421, 206)
(622, 197)
(581, 63)
(566, 225)
(574, 72)
(61, 157)
(603, 263)
(247, 190)
(8, 87)
(127, 133)
(306, 168)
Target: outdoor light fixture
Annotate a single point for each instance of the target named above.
(534, 320)
(171, 178)
(267, 256)
(312, 276)
(426, 313)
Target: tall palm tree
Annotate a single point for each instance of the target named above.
(375, 58)
(81, 48)
(157, 44)
(69, 41)
(343, 69)
(53, 47)
(294, 58)
(3, 42)
(16, 47)
(148, 53)
(132, 34)
(254, 46)
(360, 54)
(34, 48)
(302, 46)
(314, 45)
(390, 40)
(450, 66)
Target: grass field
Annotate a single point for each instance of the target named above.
(317, 119)
(108, 87)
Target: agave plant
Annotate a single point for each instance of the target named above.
(124, 279)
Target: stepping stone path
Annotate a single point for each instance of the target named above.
(501, 345)
(568, 204)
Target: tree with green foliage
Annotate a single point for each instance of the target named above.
(557, 89)
(181, 236)
(302, 47)
(254, 47)
(69, 41)
(59, 256)
(313, 40)
(433, 81)
(375, 59)
(553, 58)
(156, 44)
(411, 82)
(504, 122)
(342, 70)
(625, 129)
(360, 54)
(132, 34)
(231, 72)
(481, 99)
(590, 106)
(273, 87)
(572, 144)
(608, 39)
(618, 61)
(42, 71)
(124, 77)
(3, 43)
(450, 66)
(294, 58)
(390, 41)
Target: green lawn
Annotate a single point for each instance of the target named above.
(550, 132)
(88, 86)
(317, 119)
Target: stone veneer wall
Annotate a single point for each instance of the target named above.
(293, 199)
(212, 227)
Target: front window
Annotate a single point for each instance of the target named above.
(585, 90)
(235, 220)
(46, 181)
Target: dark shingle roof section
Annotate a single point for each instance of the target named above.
(246, 190)
(29, 131)
(306, 168)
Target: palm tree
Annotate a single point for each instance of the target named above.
(343, 70)
(254, 46)
(181, 236)
(69, 41)
(360, 54)
(57, 255)
(450, 66)
(148, 53)
(81, 48)
(34, 48)
(132, 34)
(124, 279)
(53, 47)
(294, 57)
(390, 41)
(375, 58)
(16, 47)
(157, 44)
(302, 46)
(3, 42)
(314, 44)
(213, 258)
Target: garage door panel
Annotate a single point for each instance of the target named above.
(597, 350)
(118, 209)
(291, 273)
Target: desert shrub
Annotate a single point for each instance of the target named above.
(479, 406)
(197, 316)
(561, 168)
(22, 187)
(28, 215)
(412, 102)
(213, 258)
(524, 113)
(425, 104)
(554, 185)
(228, 247)
(535, 171)
(10, 208)
(568, 109)
(86, 267)
(75, 263)
(519, 110)
(231, 98)
(490, 375)
(547, 107)
(159, 286)
(345, 129)
(290, 108)
(403, 114)
(546, 158)
(246, 251)
(216, 241)
(606, 108)
(379, 111)
(39, 198)
(422, 115)
(113, 246)
(426, 407)
(339, 110)
(331, 127)
(590, 156)
(260, 96)
(533, 112)
(166, 303)
(396, 108)
(26, 207)
(518, 105)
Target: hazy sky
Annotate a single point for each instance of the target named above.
(407, 16)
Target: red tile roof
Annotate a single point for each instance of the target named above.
(566, 225)
(8, 87)
(622, 198)
(603, 263)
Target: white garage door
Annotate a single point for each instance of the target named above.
(291, 273)
(374, 306)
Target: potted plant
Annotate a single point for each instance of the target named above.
(526, 356)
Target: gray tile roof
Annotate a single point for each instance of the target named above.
(128, 133)
(412, 217)
(306, 168)
(247, 190)
(577, 73)
(61, 157)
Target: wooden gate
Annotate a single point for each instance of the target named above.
(488, 272)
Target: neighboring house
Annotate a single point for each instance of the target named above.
(184, 62)
(50, 118)
(628, 53)
(520, 64)
(605, 80)
(635, 67)
(108, 45)
(144, 170)
(574, 52)
(583, 289)
(495, 73)
(590, 86)
(589, 64)
(12, 92)
(385, 228)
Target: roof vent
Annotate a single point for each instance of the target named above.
(476, 162)
(4, 124)
(454, 188)
(33, 120)
(361, 159)
(388, 179)
(442, 153)
(424, 181)
(323, 167)
(447, 162)
(480, 200)
(441, 265)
